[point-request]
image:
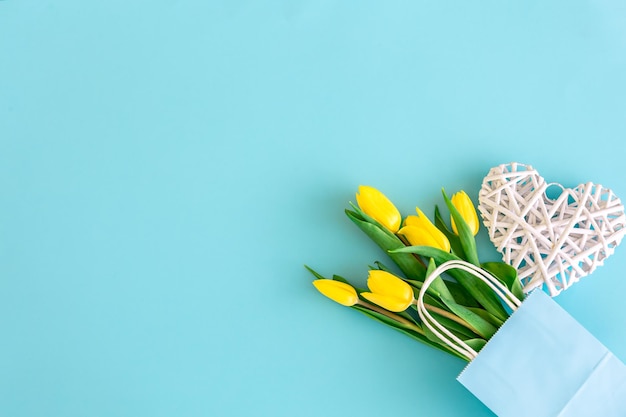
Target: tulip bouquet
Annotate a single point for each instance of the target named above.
(467, 307)
(541, 362)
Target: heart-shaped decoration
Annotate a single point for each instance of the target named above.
(556, 241)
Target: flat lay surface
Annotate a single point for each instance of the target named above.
(168, 167)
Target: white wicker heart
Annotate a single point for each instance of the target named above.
(549, 241)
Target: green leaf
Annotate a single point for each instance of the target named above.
(405, 315)
(340, 279)
(507, 275)
(433, 338)
(487, 316)
(480, 326)
(407, 263)
(431, 267)
(438, 284)
(315, 273)
(476, 322)
(382, 267)
(481, 292)
(366, 218)
(465, 234)
(476, 344)
(460, 294)
(457, 329)
(407, 331)
(454, 240)
(415, 284)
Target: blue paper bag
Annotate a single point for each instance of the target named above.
(543, 363)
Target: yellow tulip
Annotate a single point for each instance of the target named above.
(376, 205)
(463, 204)
(388, 291)
(337, 291)
(419, 231)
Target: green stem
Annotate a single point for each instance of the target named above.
(448, 315)
(392, 316)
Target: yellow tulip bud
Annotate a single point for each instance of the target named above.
(377, 206)
(337, 291)
(463, 204)
(388, 291)
(419, 231)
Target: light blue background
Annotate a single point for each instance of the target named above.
(167, 167)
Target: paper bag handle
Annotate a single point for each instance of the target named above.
(448, 337)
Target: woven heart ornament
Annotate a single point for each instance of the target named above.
(551, 242)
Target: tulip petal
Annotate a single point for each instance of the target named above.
(466, 208)
(388, 291)
(383, 282)
(418, 237)
(337, 291)
(420, 231)
(411, 221)
(376, 205)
